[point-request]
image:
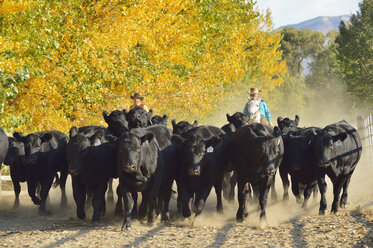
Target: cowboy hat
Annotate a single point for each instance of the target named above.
(254, 91)
(137, 95)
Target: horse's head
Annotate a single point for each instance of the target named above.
(253, 110)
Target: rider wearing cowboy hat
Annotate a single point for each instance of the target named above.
(137, 98)
(265, 116)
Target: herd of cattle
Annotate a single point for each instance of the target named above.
(148, 157)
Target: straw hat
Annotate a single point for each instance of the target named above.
(137, 95)
(254, 91)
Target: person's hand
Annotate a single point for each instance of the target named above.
(270, 123)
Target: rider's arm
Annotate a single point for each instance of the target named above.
(245, 109)
(265, 111)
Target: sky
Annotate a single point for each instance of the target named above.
(294, 11)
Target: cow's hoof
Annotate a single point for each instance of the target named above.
(16, 205)
(36, 201)
(263, 223)
(342, 205)
(334, 211)
(299, 200)
(44, 213)
(220, 210)
(126, 228)
(165, 217)
(322, 212)
(81, 215)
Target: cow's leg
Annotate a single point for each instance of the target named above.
(218, 190)
(343, 201)
(166, 200)
(242, 195)
(273, 189)
(151, 202)
(119, 207)
(46, 185)
(285, 183)
(31, 188)
(110, 193)
(200, 199)
(134, 209)
(79, 193)
(98, 202)
(337, 187)
(143, 209)
(128, 206)
(322, 187)
(315, 191)
(307, 193)
(233, 183)
(63, 179)
(17, 190)
(295, 189)
(226, 184)
(264, 189)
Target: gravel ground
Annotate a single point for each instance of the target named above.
(287, 224)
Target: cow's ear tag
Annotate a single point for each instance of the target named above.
(97, 142)
(210, 149)
(278, 142)
(338, 142)
(145, 143)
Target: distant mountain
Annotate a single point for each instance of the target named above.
(322, 24)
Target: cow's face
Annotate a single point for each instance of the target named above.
(183, 126)
(160, 120)
(129, 151)
(287, 124)
(195, 152)
(15, 158)
(238, 119)
(325, 145)
(138, 117)
(33, 145)
(117, 122)
(270, 150)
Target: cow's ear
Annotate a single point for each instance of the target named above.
(173, 122)
(279, 120)
(228, 117)
(165, 119)
(146, 138)
(177, 139)
(341, 137)
(195, 123)
(277, 131)
(296, 120)
(214, 141)
(105, 115)
(73, 131)
(46, 137)
(125, 111)
(150, 114)
(19, 136)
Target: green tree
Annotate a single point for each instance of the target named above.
(298, 45)
(355, 54)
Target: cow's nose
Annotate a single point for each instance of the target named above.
(270, 172)
(130, 168)
(194, 172)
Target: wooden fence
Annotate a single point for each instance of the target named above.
(365, 128)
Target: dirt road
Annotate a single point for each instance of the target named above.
(287, 225)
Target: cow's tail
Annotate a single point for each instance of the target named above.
(57, 181)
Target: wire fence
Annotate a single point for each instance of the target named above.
(365, 128)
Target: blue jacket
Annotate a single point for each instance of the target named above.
(264, 111)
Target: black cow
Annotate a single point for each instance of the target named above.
(140, 169)
(92, 162)
(182, 126)
(298, 161)
(45, 154)
(15, 158)
(337, 149)
(138, 117)
(256, 153)
(117, 121)
(159, 120)
(236, 121)
(203, 159)
(286, 124)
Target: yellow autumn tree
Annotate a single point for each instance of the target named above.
(78, 58)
